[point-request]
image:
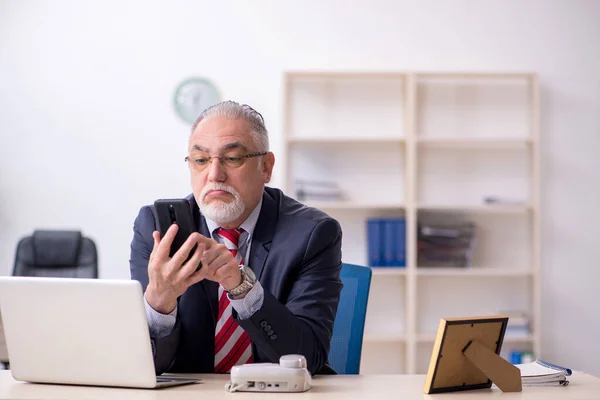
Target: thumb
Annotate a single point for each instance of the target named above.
(156, 237)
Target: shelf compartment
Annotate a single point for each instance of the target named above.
(386, 309)
(465, 177)
(437, 298)
(495, 233)
(339, 105)
(474, 106)
(354, 227)
(368, 173)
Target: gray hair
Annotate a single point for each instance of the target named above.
(232, 110)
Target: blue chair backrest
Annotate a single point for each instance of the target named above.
(349, 323)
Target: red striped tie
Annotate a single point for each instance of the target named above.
(232, 343)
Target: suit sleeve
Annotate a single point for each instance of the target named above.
(141, 246)
(304, 324)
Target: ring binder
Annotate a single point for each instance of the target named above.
(554, 366)
(543, 373)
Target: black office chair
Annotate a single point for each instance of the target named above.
(65, 254)
(56, 253)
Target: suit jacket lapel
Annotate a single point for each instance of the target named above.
(211, 288)
(263, 234)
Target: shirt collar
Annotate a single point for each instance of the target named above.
(248, 225)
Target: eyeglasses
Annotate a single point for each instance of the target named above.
(201, 161)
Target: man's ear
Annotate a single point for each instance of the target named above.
(267, 166)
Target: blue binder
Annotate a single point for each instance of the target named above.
(390, 242)
(386, 242)
(400, 241)
(374, 242)
(394, 242)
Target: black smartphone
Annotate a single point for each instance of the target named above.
(175, 211)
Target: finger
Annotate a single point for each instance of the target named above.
(213, 252)
(201, 273)
(184, 251)
(152, 265)
(189, 268)
(196, 277)
(229, 276)
(221, 261)
(226, 271)
(156, 237)
(208, 242)
(164, 247)
(155, 253)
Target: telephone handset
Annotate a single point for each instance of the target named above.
(290, 375)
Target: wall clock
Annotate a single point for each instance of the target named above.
(193, 96)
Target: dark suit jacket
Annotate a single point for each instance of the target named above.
(296, 256)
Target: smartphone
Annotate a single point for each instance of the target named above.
(175, 211)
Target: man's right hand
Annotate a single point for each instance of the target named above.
(169, 277)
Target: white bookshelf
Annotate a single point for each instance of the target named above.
(426, 147)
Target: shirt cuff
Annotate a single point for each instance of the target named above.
(251, 303)
(159, 325)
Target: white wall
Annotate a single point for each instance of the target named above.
(88, 134)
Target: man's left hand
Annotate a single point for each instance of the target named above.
(219, 265)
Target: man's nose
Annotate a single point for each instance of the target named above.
(216, 172)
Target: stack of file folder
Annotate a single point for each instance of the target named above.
(307, 190)
(445, 245)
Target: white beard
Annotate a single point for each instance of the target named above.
(219, 211)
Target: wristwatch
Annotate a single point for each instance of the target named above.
(248, 280)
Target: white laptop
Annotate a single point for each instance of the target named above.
(79, 331)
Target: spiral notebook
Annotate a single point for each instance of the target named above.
(541, 373)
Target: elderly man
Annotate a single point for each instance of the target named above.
(269, 279)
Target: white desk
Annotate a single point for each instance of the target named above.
(346, 387)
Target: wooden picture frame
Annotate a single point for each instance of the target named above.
(466, 356)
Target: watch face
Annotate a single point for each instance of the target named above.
(193, 96)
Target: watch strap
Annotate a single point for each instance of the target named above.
(243, 287)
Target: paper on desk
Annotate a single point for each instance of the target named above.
(540, 368)
(540, 373)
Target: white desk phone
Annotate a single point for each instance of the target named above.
(290, 375)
